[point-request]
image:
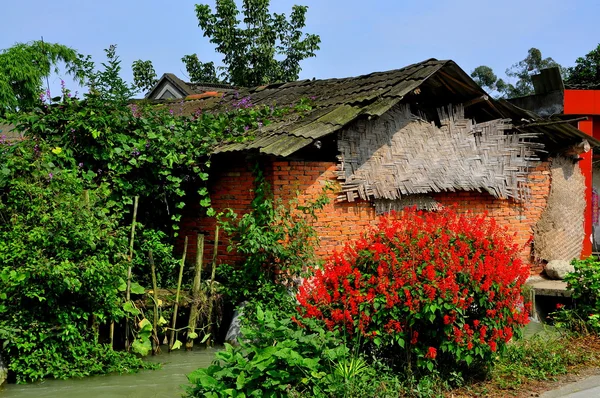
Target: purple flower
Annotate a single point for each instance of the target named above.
(171, 111)
(50, 175)
(313, 97)
(247, 128)
(80, 164)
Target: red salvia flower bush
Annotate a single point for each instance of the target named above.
(427, 287)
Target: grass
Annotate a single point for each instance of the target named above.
(540, 358)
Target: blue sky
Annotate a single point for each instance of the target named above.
(358, 36)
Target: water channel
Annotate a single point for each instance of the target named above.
(166, 382)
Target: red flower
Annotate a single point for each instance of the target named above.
(415, 336)
(431, 353)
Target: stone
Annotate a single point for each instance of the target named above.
(558, 269)
(234, 330)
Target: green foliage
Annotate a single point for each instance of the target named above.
(144, 76)
(23, 68)
(65, 197)
(584, 283)
(540, 357)
(277, 357)
(200, 72)
(276, 241)
(586, 70)
(61, 261)
(520, 71)
(106, 84)
(261, 48)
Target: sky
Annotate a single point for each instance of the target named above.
(358, 36)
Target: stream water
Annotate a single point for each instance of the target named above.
(166, 382)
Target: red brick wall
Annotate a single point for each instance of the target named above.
(340, 222)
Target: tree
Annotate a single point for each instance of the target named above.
(521, 71)
(23, 68)
(200, 72)
(107, 84)
(144, 76)
(260, 49)
(586, 70)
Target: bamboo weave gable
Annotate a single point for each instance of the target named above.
(402, 154)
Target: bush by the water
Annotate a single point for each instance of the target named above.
(279, 357)
(428, 289)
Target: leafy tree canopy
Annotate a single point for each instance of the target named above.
(258, 47)
(144, 75)
(586, 70)
(521, 71)
(262, 47)
(23, 68)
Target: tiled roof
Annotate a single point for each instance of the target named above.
(338, 102)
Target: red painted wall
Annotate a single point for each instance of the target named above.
(585, 103)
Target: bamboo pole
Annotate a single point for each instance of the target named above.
(195, 291)
(155, 342)
(111, 334)
(129, 258)
(176, 307)
(212, 284)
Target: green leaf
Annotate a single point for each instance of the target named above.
(176, 345)
(131, 308)
(206, 337)
(136, 288)
(192, 335)
(142, 347)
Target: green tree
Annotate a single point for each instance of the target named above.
(586, 70)
(144, 75)
(108, 83)
(521, 71)
(261, 48)
(200, 72)
(23, 68)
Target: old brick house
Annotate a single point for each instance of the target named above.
(423, 135)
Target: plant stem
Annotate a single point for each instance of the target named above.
(212, 282)
(176, 306)
(155, 341)
(129, 259)
(196, 290)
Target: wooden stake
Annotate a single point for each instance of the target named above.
(155, 341)
(111, 334)
(212, 283)
(195, 291)
(176, 307)
(129, 258)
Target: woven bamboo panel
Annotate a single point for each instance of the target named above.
(559, 233)
(402, 154)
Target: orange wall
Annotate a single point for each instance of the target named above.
(340, 222)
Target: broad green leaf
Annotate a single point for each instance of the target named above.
(176, 345)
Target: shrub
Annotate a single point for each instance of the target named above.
(277, 356)
(584, 283)
(423, 288)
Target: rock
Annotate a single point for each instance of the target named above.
(558, 269)
(234, 329)
(3, 371)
